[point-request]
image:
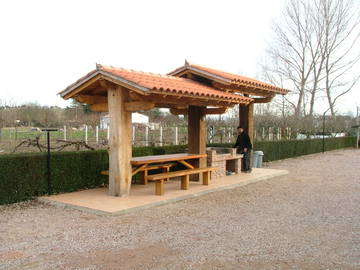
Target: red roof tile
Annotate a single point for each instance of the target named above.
(233, 78)
(171, 84)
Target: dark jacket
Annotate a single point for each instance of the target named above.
(243, 141)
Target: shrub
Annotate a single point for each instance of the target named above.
(24, 176)
(276, 150)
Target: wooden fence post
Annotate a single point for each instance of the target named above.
(146, 136)
(97, 134)
(161, 136)
(65, 133)
(176, 136)
(133, 133)
(86, 134)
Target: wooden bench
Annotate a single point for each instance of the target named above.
(144, 169)
(159, 178)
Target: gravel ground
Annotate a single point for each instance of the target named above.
(309, 219)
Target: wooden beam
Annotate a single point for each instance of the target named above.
(264, 99)
(184, 100)
(219, 110)
(88, 99)
(82, 87)
(178, 111)
(99, 107)
(120, 143)
(135, 106)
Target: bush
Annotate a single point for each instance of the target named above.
(276, 150)
(24, 176)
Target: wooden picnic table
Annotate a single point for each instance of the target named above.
(142, 164)
(180, 157)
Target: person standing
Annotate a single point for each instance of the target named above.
(244, 146)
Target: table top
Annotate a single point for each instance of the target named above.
(164, 158)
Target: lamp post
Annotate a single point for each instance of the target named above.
(323, 135)
(48, 130)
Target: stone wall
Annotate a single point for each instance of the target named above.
(223, 159)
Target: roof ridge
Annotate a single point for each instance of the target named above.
(102, 67)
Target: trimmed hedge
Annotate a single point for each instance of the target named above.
(276, 150)
(23, 176)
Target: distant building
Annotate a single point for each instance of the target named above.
(137, 118)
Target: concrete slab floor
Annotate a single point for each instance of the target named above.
(142, 196)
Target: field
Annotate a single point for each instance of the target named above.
(141, 135)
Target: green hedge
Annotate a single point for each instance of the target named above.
(23, 176)
(276, 150)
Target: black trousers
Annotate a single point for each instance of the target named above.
(245, 162)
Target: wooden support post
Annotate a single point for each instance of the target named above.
(159, 187)
(161, 136)
(120, 143)
(197, 136)
(64, 133)
(206, 178)
(246, 119)
(185, 182)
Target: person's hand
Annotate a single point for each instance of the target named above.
(245, 149)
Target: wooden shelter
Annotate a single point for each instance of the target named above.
(190, 89)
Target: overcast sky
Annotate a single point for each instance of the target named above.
(47, 45)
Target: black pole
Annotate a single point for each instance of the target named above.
(49, 158)
(48, 163)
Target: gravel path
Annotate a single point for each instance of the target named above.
(309, 219)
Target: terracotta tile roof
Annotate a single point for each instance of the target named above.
(157, 83)
(231, 78)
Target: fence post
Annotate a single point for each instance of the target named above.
(270, 133)
(161, 136)
(97, 134)
(279, 134)
(133, 133)
(176, 135)
(65, 133)
(86, 134)
(146, 136)
(108, 133)
(263, 133)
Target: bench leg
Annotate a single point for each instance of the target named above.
(144, 176)
(185, 182)
(166, 169)
(206, 178)
(159, 187)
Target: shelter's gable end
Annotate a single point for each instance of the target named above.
(227, 81)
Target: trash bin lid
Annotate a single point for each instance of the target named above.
(260, 153)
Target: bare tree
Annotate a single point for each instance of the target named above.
(340, 20)
(291, 63)
(313, 50)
